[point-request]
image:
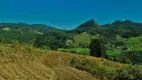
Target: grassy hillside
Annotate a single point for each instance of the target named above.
(20, 63)
(100, 68)
(23, 62)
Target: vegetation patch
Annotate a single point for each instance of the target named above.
(113, 54)
(83, 51)
(111, 73)
(86, 51)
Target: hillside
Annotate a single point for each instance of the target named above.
(38, 27)
(117, 27)
(28, 32)
(124, 28)
(89, 24)
(21, 62)
(24, 32)
(43, 28)
(21, 34)
(86, 26)
(24, 62)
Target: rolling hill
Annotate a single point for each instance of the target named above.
(20, 31)
(38, 27)
(20, 61)
(21, 34)
(117, 27)
(23, 62)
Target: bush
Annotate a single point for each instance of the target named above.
(90, 67)
(128, 72)
(134, 57)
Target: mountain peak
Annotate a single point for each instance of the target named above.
(89, 24)
(120, 22)
(128, 21)
(117, 22)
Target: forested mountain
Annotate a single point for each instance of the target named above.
(87, 26)
(125, 28)
(118, 27)
(90, 26)
(24, 32)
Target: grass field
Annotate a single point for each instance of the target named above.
(112, 53)
(85, 51)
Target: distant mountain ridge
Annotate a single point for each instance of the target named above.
(88, 25)
(91, 26)
(39, 27)
(24, 32)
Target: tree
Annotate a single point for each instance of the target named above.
(119, 41)
(83, 39)
(70, 44)
(97, 48)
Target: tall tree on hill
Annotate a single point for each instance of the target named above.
(97, 48)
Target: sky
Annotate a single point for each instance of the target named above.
(68, 14)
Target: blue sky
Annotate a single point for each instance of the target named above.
(68, 14)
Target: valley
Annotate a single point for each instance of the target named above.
(88, 52)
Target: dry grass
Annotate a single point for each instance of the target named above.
(23, 62)
(61, 58)
(58, 58)
(60, 63)
(18, 62)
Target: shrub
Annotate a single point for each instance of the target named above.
(129, 72)
(133, 57)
